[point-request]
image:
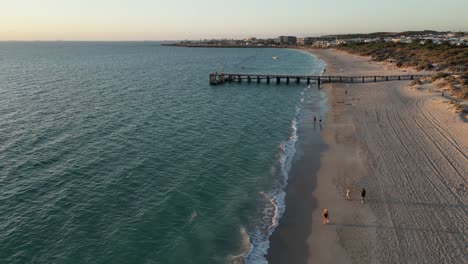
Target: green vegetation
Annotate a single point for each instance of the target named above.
(383, 34)
(444, 57)
(440, 75)
(457, 84)
(421, 57)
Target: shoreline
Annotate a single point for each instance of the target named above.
(288, 151)
(294, 226)
(367, 132)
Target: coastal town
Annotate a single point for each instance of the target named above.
(327, 41)
(442, 53)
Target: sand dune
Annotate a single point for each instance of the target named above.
(410, 151)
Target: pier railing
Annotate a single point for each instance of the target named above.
(220, 78)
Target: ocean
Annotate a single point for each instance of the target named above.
(121, 152)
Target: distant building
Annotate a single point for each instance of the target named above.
(250, 41)
(454, 41)
(300, 41)
(321, 44)
(436, 41)
(308, 41)
(464, 40)
(406, 40)
(281, 40)
(287, 40)
(432, 40)
(450, 35)
(370, 40)
(339, 42)
(403, 39)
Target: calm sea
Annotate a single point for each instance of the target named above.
(123, 153)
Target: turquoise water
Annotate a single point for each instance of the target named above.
(122, 152)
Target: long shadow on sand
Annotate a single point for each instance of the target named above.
(417, 204)
(401, 228)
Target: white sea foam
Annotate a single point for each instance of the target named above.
(193, 216)
(275, 199)
(246, 247)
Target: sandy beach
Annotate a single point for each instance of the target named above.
(409, 149)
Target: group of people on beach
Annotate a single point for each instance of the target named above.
(326, 215)
(315, 119)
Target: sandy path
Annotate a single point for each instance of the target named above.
(410, 152)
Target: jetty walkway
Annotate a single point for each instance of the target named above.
(220, 78)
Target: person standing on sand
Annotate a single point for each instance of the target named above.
(348, 193)
(325, 216)
(315, 119)
(363, 194)
(320, 119)
(346, 92)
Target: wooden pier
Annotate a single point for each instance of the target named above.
(220, 78)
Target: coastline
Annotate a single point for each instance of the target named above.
(384, 137)
(287, 243)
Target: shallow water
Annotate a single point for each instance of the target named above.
(122, 153)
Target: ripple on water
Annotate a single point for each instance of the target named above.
(122, 152)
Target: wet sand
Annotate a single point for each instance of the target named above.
(408, 148)
(294, 228)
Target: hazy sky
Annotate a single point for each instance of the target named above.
(195, 19)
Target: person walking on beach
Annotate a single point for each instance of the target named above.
(346, 92)
(363, 194)
(348, 192)
(325, 216)
(315, 119)
(320, 119)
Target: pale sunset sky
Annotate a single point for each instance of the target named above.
(195, 19)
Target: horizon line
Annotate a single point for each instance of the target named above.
(239, 37)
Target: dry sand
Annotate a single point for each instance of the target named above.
(409, 149)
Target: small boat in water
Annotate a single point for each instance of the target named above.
(275, 57)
